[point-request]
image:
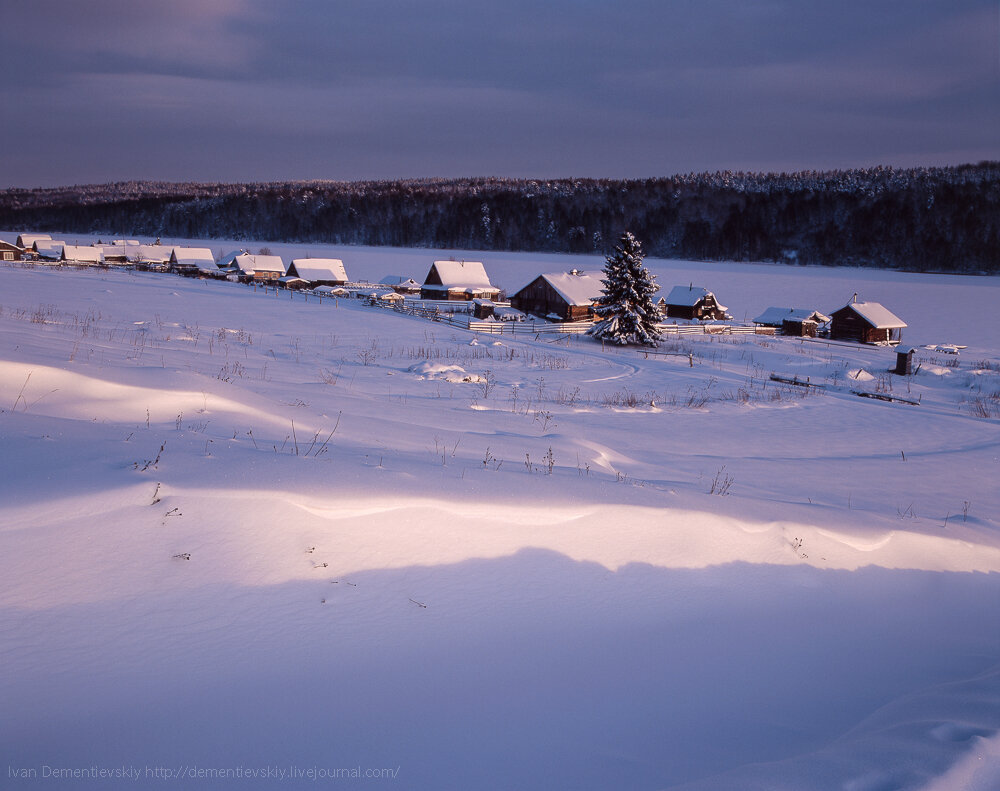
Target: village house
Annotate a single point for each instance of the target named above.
(866, 322)
(693, 302)
(319, 271)
(26, 241)
(9, 252)
(189, 260)
(565, 296)
(800, 322)
(78, 254)
(259, 268)
(458, 280)
(48, 249)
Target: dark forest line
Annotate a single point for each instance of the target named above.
(919, 219)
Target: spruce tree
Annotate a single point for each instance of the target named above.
(625, 310)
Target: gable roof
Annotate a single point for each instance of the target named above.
(399, 280)
(881, 318)
(576, 288)
(72, 252)
(192, 256)
(26, 240)
(153, 253)
(248, 264)
(48, 248)
(459, 274)
(320, 269)
(775, 316)
(229, 258)
(689, 296)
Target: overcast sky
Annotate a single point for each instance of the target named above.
(260, 90)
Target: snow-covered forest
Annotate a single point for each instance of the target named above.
(920, 219)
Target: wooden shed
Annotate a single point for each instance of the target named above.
(800, 322)
(693, 302)
(191, 259)
(401, 284)
(9, 252)
(78, 254)
(259, 268)
(866, 322)
(458, 280)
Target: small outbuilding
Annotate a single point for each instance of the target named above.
(570, 296)
(319, 271)
(800, 322)
(693, 302)
(458, 280)
(401, 284)
(866, 322)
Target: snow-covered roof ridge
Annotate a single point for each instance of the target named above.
(73, 252)
(687, 295)
(576, 287)
(194, 256)
(877, 315)
(320, 268)
(776, 315)
(462, 273)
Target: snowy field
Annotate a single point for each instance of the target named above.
(265, 541)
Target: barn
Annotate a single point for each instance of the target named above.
(568, 296)
(800, 322)
(9, 252)
(866, 322)
(693, 302)
(458, 280)
(319, 271)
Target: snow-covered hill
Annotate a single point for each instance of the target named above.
(246, 533)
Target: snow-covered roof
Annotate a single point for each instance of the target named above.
(462, 274)
(154, 253)
(689, 296)
(26, 240)
(576, 288)
(192, 256)
(320, 268)
(330, 290)
(249, 264)
(775, 316)
(48, 248)
(881, 318)
(228, 259)
(72, 252)
(399, 280)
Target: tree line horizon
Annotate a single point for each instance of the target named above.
(942, 219)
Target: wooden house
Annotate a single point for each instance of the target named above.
(259, 268)
(800, 322)
(191, 260)
(78, 254)
(866, 322)
(48, 249)
(26, 241)
(566, 296)
(319, 271)
(693, 302)
(9, 252)
(458, 280)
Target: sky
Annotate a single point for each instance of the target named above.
(275, 90)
